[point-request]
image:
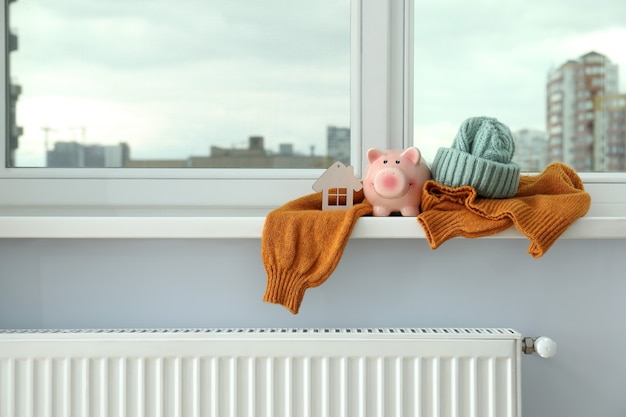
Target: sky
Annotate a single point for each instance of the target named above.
(491, 58)
(173, 78)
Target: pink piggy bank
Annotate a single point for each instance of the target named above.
(394, 180)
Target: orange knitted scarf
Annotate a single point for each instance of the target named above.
(301, 246)
(542, 209)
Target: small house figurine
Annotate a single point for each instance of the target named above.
(337, 185)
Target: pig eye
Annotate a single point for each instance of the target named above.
(385, 161)
(397, 162)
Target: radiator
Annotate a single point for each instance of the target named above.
(261, 372)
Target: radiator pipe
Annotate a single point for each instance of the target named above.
(542, 346)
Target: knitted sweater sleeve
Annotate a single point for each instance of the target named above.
(301, 246)
(447, 213)
(544, 206)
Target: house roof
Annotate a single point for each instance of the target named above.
(338, 175)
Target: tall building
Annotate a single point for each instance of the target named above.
(531, 150)
(572, 89)
(338, 142)
(14, 131)
(609, 144)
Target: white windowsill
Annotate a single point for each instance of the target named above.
(226, 224)
(606, 219)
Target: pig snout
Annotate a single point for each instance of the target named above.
(390, 183)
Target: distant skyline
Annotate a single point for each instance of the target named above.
(483, 58)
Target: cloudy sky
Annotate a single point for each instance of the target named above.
(173, 78)
(491, 58)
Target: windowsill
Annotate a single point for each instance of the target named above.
(192, 223)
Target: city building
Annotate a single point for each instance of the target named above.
(572, 89)
(285, 149)
(15, 90)
(76, 155)
(156, 163)
(531, 150)
(609, 144)
(256, 156)
(338, 142)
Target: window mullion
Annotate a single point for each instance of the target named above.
(384, 72)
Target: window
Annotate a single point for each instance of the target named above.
(379, 108)
(451, 82)
(510, 61)
(200, 84)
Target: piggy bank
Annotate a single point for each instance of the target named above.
(394, 180)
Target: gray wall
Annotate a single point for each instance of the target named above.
(574, 294)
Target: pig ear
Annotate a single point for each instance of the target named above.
(373, 154)
(413, 154)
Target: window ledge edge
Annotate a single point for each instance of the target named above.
(249, 227)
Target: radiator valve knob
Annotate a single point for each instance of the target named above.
(545, 347)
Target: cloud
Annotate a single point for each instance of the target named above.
(159, 33)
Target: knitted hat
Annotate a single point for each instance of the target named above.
(481, 157)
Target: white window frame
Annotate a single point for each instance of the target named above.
(379, 117)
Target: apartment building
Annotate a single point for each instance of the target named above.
(571, 114)
(530, 149)
(609, 142)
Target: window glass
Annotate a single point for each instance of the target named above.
(190, 83)
(554, 71)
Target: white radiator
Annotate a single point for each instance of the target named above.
(261, 372)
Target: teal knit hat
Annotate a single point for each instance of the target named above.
(481, 157)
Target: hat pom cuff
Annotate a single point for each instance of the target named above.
(490, 179)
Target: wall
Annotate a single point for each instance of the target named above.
(574, 294)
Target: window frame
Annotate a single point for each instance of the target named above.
(378, 79)
(381, 116)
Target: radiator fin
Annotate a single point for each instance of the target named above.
(261, 373)
(258, 386)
